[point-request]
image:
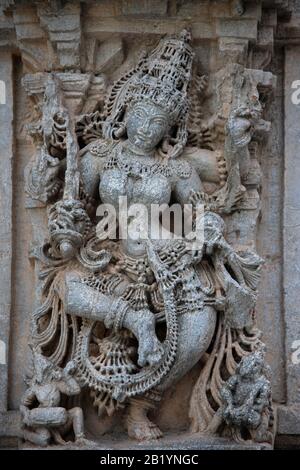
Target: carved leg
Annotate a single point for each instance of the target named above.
(83, 301)
(76, 415)
(195, 332)
(39, 436)
(76, 422)
(138, 425)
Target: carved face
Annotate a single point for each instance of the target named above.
(250, 366)
(42, 367)
(147, 124)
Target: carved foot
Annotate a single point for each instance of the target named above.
(138, 425)
(83, 442)
(143, 431)
(40, 437)
(142, 324)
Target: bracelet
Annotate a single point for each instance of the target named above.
(222, 168)
(119, 308)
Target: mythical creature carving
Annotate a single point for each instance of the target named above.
(135, 314)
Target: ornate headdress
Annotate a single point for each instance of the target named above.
(162, 78)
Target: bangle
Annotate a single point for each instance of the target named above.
(119, 308)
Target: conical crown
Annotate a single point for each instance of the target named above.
(166, 75)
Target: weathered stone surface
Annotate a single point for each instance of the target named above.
(10, 424)
(241, 138)
(186, 442)
(291, 231)
(6, 235)
(110, 55)
(288, 420)
(269, 240)
(237, 28)
(145, 7)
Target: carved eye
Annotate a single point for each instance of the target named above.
(158, 121)
(139, 113)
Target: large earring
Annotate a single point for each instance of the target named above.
(177, 150)
(166, 147)
(174, 146)
(119, 130)
(115, 127)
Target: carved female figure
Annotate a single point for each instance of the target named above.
(157, 299)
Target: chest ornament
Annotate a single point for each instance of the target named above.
(137, 169)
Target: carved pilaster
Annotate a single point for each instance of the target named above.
(289, 417)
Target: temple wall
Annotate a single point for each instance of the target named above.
(105, 38)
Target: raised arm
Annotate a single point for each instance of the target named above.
(184, 187)
(90, 167)
(208, 164)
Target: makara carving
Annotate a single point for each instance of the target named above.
(135, 314)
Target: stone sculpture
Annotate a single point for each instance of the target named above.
(42, 414)
(247, 399)
(135, 315)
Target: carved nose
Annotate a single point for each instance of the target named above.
(144, 127)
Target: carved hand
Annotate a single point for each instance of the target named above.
(25, 415)
(240, 125)
(68, 223)
(44, 175)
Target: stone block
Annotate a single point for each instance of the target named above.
(109, 55)
(227, 9)
(144, 7)
(10, 424)
(6, 248)
(190, 8)
(291, 233)
(269, 18)
(237, 28)
(25, 15)
(288, 420)
(233, 50)
(265, 37)
(105, 9)
(29, 31)
(97, 27)
(252, 10)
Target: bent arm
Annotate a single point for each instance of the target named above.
(228, 390)
(184, 187)
(68, 386)
(27, 401)
(90, 168)
(92, 160)
(205, 162)
(28, 398)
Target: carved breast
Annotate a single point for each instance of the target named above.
(150, 189)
